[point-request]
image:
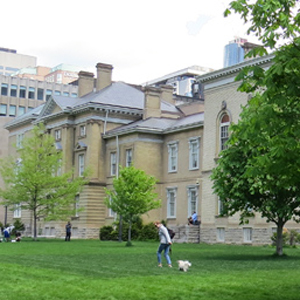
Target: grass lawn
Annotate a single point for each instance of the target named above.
(91, 269)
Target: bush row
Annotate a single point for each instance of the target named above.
(139, 231)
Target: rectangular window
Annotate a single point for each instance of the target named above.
(82, 131)
(29, 108)
(40, 94)
(21, 110)
(57, 134)
(4, 89)
(74, 95)
(192, 200)
(3, 109)
(17, 211)
(12, 110)
(66, 94)
(31, 93)
(128, 157)
(57, 93)
(220, 207)
(48, 94)
(247, 235)
(13, 90)
(80, 164)
(22, 92)
(224, 135)
(113, 163)
(221, 234)
(173, 153)
(171, 202)
(194, 150)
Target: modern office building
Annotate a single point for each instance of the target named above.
(19, 96)
(11, 61)
(182, 80)
(235, 51)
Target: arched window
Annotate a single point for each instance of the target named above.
(224, 131)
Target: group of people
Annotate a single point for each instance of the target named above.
(7, 234)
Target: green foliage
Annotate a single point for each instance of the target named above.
(273, 22)
(108, 233)
(139, 232)
(290, 237)
(19, 226)
(34, 181)
(133, 195)
(260, 170)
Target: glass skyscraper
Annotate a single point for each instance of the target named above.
(234, 52)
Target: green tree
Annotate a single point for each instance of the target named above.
(260, 170)
(132, 195)
(34, 181)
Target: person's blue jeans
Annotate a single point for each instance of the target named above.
(165, 248)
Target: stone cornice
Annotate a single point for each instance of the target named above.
(235, 68)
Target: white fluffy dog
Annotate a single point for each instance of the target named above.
(183, 265)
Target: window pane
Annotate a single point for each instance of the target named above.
(40, 94)
(4, 89)
(31, 93)
(22, 92)
(21, 110)
(48, 94)
(3, 109)
(13, 90)
(12, 110)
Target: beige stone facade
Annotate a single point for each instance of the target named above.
(222, 97)
(118, 124)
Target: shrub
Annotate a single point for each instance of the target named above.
(138, 231)
(19, 226)
(108, 233)
(290, 237)
(148, 232)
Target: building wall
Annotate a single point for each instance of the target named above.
(24, 102)
(221, 95)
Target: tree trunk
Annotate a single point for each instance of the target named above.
(120, 228)
(34, 226)
(129, 232)
(279, 240)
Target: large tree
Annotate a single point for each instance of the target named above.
(132, 195)
(260, 170)
(34, 182)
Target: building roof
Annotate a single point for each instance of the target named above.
(158, 125)
(117, 96)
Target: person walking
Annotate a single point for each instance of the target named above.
(68, 232)
(165, 243)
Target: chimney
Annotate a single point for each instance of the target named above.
(152, 102)
(85, 83)
(104, 72)
(167, 94)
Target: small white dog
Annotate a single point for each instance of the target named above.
(183, 265)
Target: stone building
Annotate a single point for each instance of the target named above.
(223, 106)
(118, 124)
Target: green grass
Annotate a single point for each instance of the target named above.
(91, 269)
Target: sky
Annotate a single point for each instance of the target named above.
(142, 39)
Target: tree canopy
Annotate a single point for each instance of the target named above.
(260, 170)
(34, 181)
(133, 195)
